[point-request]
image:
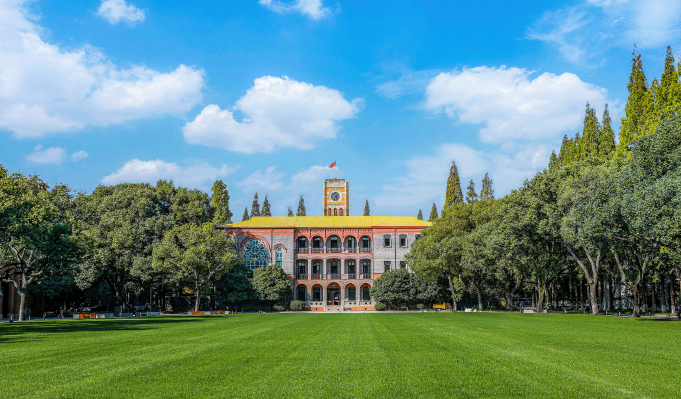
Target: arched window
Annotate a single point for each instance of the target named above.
(255, 253)
(335, 212)
(279, 254)
(352, 293)
(316, 293)
(341, 211)
(365, 293)
(329, 213)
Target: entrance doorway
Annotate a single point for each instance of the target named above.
(333, 295)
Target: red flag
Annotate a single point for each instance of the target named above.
(333, 164)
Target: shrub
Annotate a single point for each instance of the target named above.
(297, 305)
(380, 307)
(279, 307)
(420, 306)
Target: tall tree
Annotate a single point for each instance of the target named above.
(234, 287)
(266, 207)
(245, 217)
(196, 254)
(367, 211)
(36, 235)
(487, 191)
(394, 288)
(637, 108)
(554, 161)
(271, 284)
(471, 195)
(588, 145)
(290, 212)
(606, 140)
(667, 101)
(220, 203)
(420, 215)
(433, 213)
(453, 194)
(301, 206)
(255, 208)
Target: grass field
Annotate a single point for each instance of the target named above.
(343, 355)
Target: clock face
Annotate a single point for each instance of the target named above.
(335, 196)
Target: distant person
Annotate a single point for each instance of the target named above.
(522, 305)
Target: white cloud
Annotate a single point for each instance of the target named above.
(582, 33)
(45, 89)
(284, 190)
(267, 181)
(426, 175)
(77, 156)
(311, 8)
(278, 113)
(510, 104)
(199, 175)
(116, 11)
(52, 155)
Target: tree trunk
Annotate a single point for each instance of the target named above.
(593, 296)
(672, 300)
(637, 301)
(478, 289)
(197, 302)
(653, 297)
(611, 300)
(23, 290)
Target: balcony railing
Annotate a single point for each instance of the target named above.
(333, 276)
(327, 250)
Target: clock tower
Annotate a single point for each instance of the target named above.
(336, 197)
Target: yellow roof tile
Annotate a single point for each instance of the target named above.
(331, 221)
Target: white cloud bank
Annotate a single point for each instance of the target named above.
(45, 89)
(54, 155)
(510, 104)
(582, 33)
(116, 11)
(278, 113)
(199, 175)
(426, 175)
(310, 8)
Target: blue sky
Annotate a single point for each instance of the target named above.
(266, 94)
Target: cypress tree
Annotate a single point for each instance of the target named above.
(245, 217)
(420, 215)
(667, 100)
(366, 209)
(554, 163)
(255, 208)
(433, 214)
(471, 195)
(453, 194)
(606, 140)
(266, 208)
(487, 191)
(290, 212)
(562, 155)
(588, 145)
(653, 116)
(220, 203)
(635, 110)
(301, 206)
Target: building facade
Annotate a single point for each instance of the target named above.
(331, 261)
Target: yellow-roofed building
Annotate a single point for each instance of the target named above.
(331, 260)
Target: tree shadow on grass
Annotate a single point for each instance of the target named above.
(39, 330)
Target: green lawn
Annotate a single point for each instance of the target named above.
(343, 355)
